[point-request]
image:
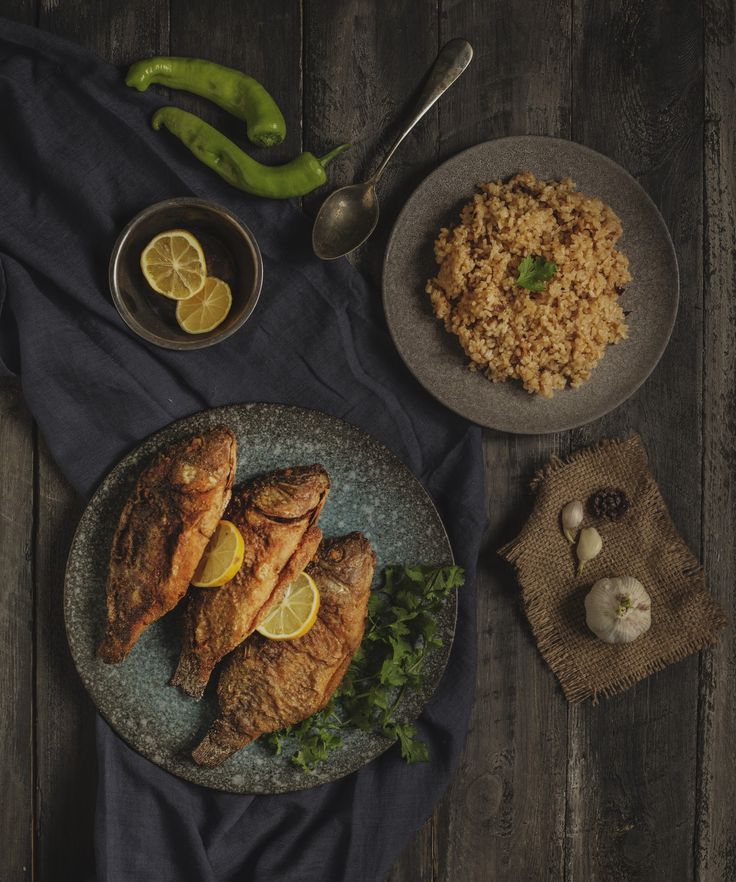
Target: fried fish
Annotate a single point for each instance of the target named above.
(268, 684)
(277, 516)
(161, 535)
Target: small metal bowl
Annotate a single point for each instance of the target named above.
(231, 252)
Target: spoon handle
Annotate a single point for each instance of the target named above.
(452, 60)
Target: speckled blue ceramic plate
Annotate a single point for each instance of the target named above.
(372, 491)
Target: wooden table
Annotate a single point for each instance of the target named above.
(640, 787)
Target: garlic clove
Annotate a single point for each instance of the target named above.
(618, 610)
(589, 546)
(572, 517)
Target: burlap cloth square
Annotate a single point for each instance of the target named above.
(643, 544)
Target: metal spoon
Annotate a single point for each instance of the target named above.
(349, 215)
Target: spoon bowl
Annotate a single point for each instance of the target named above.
(346, 219)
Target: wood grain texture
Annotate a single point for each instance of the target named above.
(16, 645)
(632, 759)
(116, 30)
(17, 729)
(503, 816)
(498, 820)
(24, 11)
(363, 70)
(65, 716)
(715, 853)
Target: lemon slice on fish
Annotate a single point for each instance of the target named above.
(222, 558)
(173, 264)
(296, 613)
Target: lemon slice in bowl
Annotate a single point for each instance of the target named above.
(206, 309)
(173, 264)
(222, 558)
(296, 613)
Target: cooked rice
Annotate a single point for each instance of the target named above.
(544, 339)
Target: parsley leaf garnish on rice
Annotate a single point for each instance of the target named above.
(534, 272)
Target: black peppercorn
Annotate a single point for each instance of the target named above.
(610, 502)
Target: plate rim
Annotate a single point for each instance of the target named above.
(489, 422)
(421, 699)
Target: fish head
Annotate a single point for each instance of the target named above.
(205, 461)
(291, 494)
(345, 562)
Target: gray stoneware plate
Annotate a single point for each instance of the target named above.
(435, 357)
(372, 491)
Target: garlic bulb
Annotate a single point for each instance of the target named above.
(572, 517)
(589, 546)
(618, 610)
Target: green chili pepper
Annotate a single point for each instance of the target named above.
(239, 94)
(295, 178)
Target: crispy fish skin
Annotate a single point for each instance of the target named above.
(277, 516)
(161, 535)
(268, 684)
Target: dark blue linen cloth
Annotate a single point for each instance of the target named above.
(78, 159)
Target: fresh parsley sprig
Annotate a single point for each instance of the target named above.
(401, 629)
(534, 272)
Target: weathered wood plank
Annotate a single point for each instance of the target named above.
(637, 97)
(715, 854)
(361, 70)
(493, 823)
(16, 644)
(116, 30)
(19, 10)
(16, 611)
(504, 815)
(65, 717)
(120, 32)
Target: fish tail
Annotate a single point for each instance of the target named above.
(112, 651)
(220, 743)
(189, 675)
(119, 639)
